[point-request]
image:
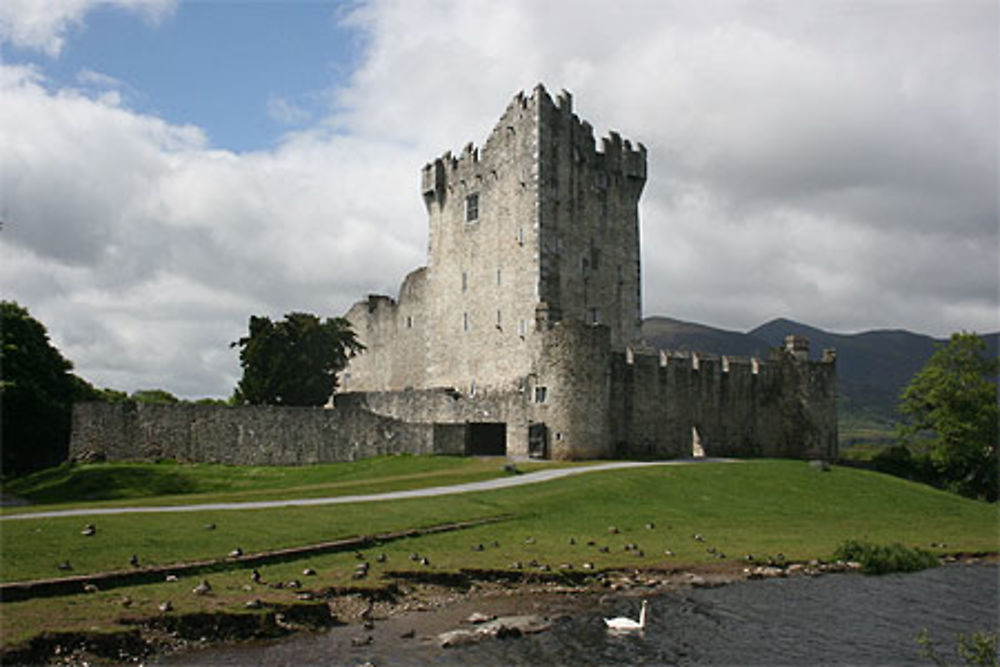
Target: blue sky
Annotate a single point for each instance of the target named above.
(170, 168)
(229, 67)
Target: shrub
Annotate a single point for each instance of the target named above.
(883, 559)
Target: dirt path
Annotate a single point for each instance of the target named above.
(488, 485)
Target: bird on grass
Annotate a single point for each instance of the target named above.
(624, 624)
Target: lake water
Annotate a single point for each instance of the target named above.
(833, 620)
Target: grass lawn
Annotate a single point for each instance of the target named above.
(759, 507)
(170, 483)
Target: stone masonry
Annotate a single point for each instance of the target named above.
(523, 327)
(519, 337)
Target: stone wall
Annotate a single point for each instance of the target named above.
(781, 407)
(253, 435)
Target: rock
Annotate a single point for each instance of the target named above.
(478, 617)
(409, 634)
(171, 578)
(818, 464)
(362, 641)
(457, 638)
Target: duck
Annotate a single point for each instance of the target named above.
(623, 624)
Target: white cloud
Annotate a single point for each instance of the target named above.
(285, 112)
(43, 25)
(806, 163)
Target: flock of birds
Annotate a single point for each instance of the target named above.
(619, 624)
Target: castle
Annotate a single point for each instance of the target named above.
(521, 336)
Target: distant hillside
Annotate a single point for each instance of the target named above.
(872, 367)
(666, 333)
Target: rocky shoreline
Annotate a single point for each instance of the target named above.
(451, 609)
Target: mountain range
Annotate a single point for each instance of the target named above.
(873, 367)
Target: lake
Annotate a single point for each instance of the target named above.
(845, 619)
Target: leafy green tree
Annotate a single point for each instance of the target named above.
(153, 396)
(37, 391)
(293, 361)
(953, 400)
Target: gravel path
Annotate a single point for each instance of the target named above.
(488, 485)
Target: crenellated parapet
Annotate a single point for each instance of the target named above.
(533, 115)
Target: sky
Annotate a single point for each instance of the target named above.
(170, 168)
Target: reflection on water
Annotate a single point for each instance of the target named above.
(837, 619)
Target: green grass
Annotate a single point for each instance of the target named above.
(886, 558)
(757, 507)
(170, 483)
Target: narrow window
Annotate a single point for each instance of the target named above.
(522, 328)
(499, 321)
(465, 321)
(595, 316)
(472, 207)
(409, 321)
(465, 281)
(498, 278)
(540, 394)
(520, 236)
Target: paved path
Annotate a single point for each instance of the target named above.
(488, 485)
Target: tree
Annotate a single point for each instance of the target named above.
(153, 396)
(953, 399)
(294, 361)
(37, 391)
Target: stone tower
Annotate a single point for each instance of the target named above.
(537, 226)
(519, 336)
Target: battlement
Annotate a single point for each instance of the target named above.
(519, 130)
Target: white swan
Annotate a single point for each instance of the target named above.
(622, 624)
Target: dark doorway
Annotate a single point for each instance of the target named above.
(538, 441)
(486, 439)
